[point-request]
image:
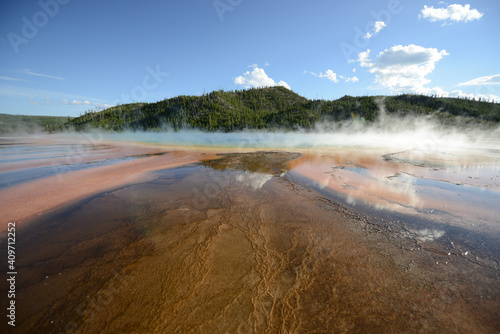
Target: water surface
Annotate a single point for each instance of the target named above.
(337, 240)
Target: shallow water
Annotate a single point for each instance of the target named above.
(12, 178)
(25, 162)
(426, 185)
(270, 242)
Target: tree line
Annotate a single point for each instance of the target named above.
(275, 108)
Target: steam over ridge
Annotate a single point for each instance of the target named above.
(402, 130)
(419, 133)
(277, 108)
(275, 117)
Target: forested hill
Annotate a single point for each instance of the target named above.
(278, 108)
(18, 124)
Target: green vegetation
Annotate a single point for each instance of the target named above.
(31, 124)
(265, 108)
(448, 110)
(276, 108)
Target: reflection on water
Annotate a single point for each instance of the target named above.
(21, 163)
(253, 180)
(431, 196)
(413, 183)
(12, 178)
(27, 152)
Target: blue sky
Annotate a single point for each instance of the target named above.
(62, 57)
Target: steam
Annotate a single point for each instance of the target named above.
(20, 128)
(387, 132)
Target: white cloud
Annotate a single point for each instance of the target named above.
(364, 58)
(257, 65)
(334, 77)
(39, 96)
(472, 96)
(29, 72)
(377, 27)
(284, 84)
(258, 78)
(437, 91)
(103, 105)
(491, 80)
(330, 75)
(47, 100)
(455, 12)
(403, 67)
(79, 103)
(12, 79)
(87, 103)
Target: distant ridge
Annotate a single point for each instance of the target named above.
(274, 108)
(10, 124)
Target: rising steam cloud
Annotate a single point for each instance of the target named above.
(389, 131)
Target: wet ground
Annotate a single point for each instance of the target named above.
(272, 242)
(432, 194)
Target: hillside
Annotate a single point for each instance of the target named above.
(30, 124)
(278, 108)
